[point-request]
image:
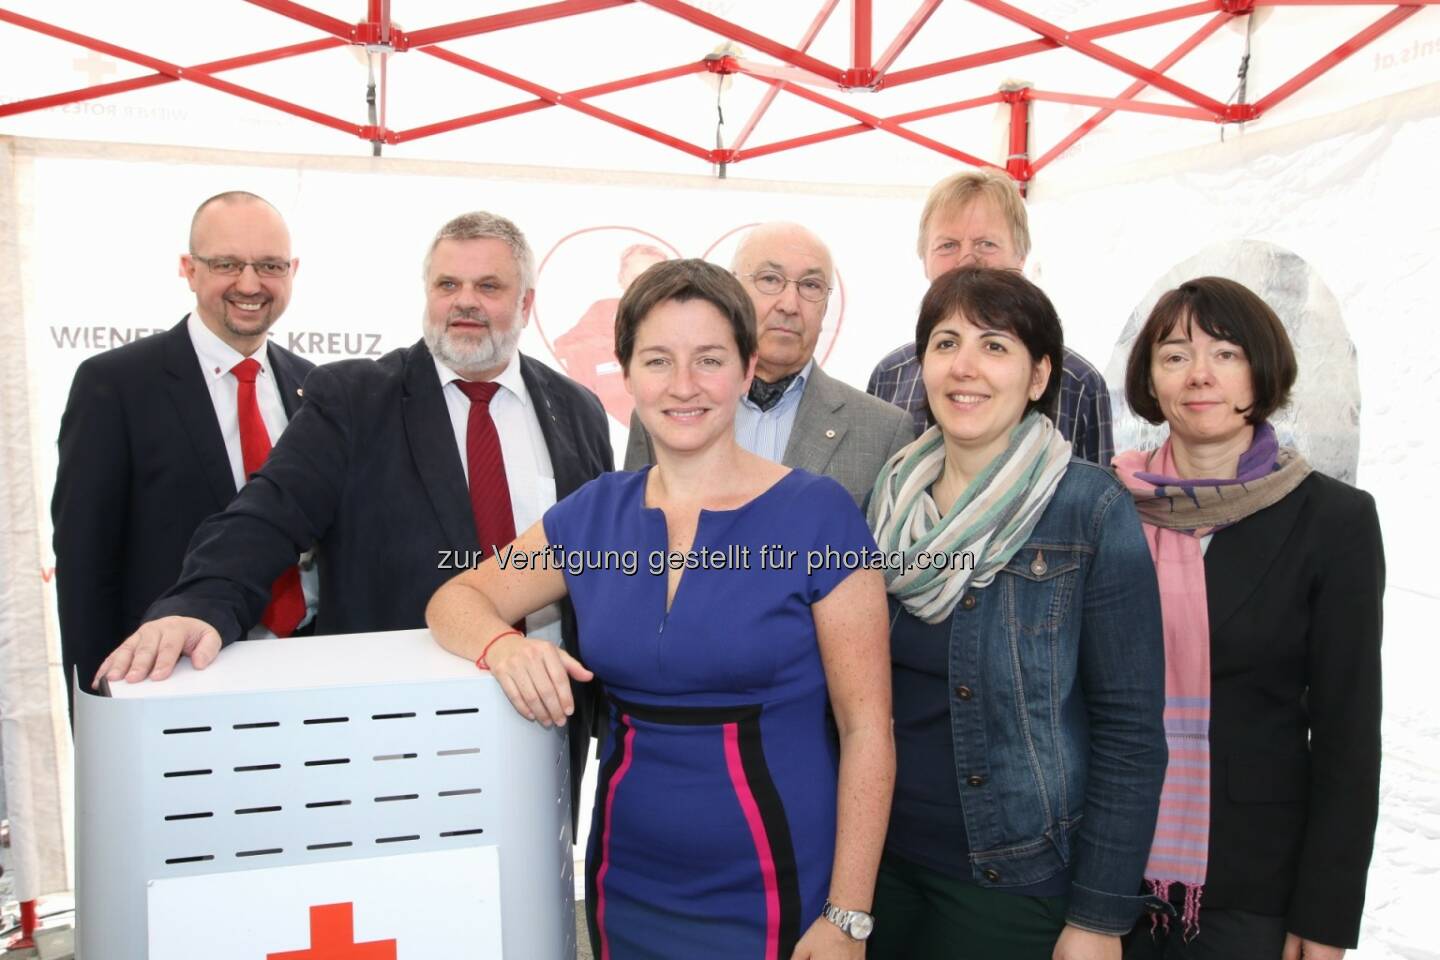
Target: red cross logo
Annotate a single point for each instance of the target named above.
(332, 937)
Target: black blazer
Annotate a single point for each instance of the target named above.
(369, 475)
(142, 463)
(1294, 597)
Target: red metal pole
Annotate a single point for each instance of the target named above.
(899, 118)
(1017, 161)
(1124, 104)
(784, 74)
(879, 123)
(907, 33)
(748, 37)
(530, 106)
(158, 79)
(1341, 3)
(1014, 50)
(25, 940)
(805, 141)
(180, 73)
(1086, 48)
(1132, 91)
(772, 92)
(535, 89)
(862, 29)
(504, 21)
(1377, 29)
(927, 112)
(316, 19)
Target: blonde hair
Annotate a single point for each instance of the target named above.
(960, 189)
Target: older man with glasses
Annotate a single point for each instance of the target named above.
(795, 413)
(160, 433)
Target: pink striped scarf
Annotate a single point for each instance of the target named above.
(1180, 850)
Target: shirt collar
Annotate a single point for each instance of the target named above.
(797, 384)
(218, 358)
(508, 379)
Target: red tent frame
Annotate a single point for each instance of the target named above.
(794, 72)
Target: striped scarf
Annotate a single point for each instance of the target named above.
(986, 525)
(1176, 515)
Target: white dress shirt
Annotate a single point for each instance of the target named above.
(528, 471)
(217, 359)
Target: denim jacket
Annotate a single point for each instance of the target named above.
(1057, 683)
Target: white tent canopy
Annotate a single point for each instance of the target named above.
(583, 43)
(96, 193)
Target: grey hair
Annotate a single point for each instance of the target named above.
(481, 225)
(737, 259)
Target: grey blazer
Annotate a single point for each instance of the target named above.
(839, 432)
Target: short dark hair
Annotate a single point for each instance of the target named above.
(998, 299)
(1226, 310)
(681, 281)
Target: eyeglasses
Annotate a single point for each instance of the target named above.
(772, 284)
(231, 267)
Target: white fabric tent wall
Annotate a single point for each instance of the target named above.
(1348, 193)
(1336, 190)
(34, 738)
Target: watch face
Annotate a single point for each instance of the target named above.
(860, 925)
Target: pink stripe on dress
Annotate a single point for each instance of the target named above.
(757, 833)
(628, 755)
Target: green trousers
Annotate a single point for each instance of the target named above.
(924, 915)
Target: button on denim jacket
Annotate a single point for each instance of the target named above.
(1057, 683)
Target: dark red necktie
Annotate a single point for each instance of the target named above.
(489, 489)
(287, 599)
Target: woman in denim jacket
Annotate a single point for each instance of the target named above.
(1027, 655)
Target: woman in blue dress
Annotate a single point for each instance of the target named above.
(725, 602)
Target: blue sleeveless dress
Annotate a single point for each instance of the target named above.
(714, 821)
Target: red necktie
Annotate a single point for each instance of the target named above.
(489, 489)
(287, 599)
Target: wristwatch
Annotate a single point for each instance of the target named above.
(855, 924)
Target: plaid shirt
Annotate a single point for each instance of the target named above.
(1083, 418)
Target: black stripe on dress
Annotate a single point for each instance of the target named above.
(594, 862)
(688, 716)
(777, 829)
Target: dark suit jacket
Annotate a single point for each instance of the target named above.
(839, 432)
(142, 463)
(1294, 596)
(368, 473)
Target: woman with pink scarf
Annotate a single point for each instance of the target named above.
(1271, 577)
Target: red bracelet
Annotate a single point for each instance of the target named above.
(480, 660)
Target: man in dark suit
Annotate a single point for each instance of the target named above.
(150, 443)
(795, 413)
(396, 475)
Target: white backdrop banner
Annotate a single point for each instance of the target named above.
(1333, 223)
(1337, 202)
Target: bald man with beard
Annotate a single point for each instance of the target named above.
(795, 413)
